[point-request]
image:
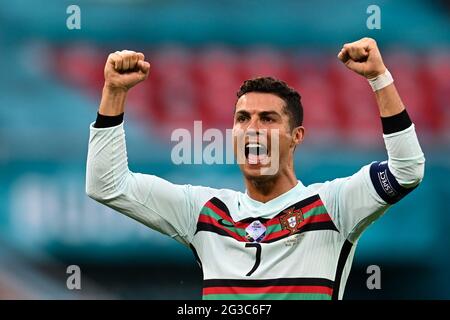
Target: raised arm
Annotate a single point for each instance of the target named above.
(358, 200)
(155, 202)
(123, 70)
(406, 159)
(364, 58)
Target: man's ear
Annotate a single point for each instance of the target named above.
(297, 135)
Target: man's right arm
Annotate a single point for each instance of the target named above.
(123, 70)
(155, 202)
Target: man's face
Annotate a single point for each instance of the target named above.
(263, 125)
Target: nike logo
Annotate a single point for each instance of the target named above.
(225, 223)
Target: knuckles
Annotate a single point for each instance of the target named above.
(369, 40)
(362, 43)
(127, 55)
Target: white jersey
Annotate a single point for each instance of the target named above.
(299, 245)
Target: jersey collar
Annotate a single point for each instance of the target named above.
(250, 208)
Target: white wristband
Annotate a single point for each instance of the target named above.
(381, 81)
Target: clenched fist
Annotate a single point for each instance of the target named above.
(124, 69)
(363, 57)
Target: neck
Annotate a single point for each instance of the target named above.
(266, 189)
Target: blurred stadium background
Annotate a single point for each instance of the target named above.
(200, 52)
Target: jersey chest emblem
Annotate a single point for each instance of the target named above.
(255, 232)
(291, 219)
(306, 215)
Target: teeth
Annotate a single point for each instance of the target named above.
(255, 149)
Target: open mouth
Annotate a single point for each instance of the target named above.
(256, 153)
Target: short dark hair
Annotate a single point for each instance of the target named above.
(294, 108)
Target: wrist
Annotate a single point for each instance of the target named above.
(111, 90)
(375, 73)
(381, 80)
(113, 101)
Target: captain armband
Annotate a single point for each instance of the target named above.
(385, 183)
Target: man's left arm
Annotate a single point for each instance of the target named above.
(363, 197)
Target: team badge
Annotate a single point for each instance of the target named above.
(255, 231)
(291, 219)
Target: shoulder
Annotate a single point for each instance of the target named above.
(203, 194)
(322, 187)
(334, 185)
(328, 191)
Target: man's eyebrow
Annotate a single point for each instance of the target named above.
(243, 113)
(260, 114)
(269, 113)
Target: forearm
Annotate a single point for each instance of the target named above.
(107, 165)
(388, 101)
(107, 158)
(112, 102)
(111, 108)
(405, 157)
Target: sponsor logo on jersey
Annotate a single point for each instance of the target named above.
(291, 219)
(255, 231)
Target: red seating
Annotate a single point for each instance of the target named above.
(201, 84)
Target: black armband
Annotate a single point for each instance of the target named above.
(385, 183)
(396, 123)
(108, 121)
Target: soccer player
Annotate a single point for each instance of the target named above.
(280, 239)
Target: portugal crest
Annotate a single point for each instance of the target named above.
(291, 219)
